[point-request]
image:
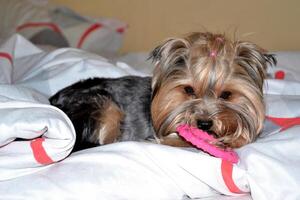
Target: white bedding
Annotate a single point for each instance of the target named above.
(38, 167)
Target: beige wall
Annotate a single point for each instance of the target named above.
(273, 24)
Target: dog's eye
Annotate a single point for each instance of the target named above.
(180, 61)
(189, 90)
(225, 95)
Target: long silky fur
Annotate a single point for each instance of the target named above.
(239, 67)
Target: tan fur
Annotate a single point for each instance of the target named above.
(174, 140)
(109, 120)
(238, 67)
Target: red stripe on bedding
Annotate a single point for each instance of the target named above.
(39, 152)
(6, 56)
(52, 26)
(87, 32)
(227, 168)
(121, 30)
(284, 123)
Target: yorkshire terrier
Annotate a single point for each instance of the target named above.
(203, 79)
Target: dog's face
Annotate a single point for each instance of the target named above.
(212, 83)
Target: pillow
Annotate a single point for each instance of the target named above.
(61, 27)
(16, 12)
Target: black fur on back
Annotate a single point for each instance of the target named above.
(131, 94)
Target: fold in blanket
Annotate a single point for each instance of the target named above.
(34, 136)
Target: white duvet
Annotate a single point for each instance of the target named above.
(36, 139)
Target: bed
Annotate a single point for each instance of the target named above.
(36, 138)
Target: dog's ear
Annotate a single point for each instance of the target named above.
(270, 59)
(155, 54)
(254, 60)
(169, 58)
(171, 52)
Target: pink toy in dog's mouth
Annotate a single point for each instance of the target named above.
(202, 140)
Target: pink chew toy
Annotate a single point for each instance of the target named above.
(201, 140)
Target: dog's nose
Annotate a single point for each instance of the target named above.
(204, 125)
